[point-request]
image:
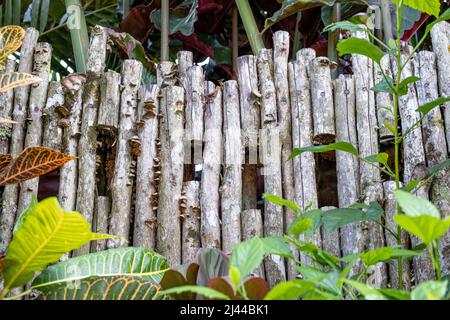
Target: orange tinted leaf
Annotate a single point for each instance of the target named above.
(5, 160)
(34, 162)
(12, 80)
(11, 39)
(8, 121)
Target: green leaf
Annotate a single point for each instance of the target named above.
(328, 281)
(368, 292)
(300, 226)
(316, 216)
(105, 288)
(439, 167)
(403, 87)
(337, 218)
(414, 206)
(375, 256)
(235, 276)
(430, 290)
(290, 7)
(276, 245)
(212, 264)
(46, 234)
(431, 105)
(382, 158)
(431, 7)
(282, 202)
(395, 294)
(24, 214)
(385, 85)
(182, 18)
(139, 262)
(426, 227)
(411, 185)
(360, 46)
(338, 146)
(344, 25)
(203, 291)
(290, 290)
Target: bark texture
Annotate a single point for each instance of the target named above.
(190, 213)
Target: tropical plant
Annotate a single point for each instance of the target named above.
(44, 232)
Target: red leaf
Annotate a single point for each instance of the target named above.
(408, 34)
(137, 22)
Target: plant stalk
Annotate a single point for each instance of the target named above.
(165, 30)
(386, 20)
(297, 36)
(234, 40)
(251, 29)
(333, 37)
(78, 32)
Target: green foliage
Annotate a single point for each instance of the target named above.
(338, 146)
(360, 46)
(431, 7)
(181, 18)
(44, 236)
(430, 290)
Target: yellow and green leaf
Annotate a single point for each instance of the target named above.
(12, 80)
(10, 40)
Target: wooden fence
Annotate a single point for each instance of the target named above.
(178, 165)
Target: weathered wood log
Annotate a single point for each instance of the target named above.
(435, 144)
(87, 148)
(281, 57)
(166, 74)
(370, 177)
(347, 165)
(384, 103)
(184, 61)
(101, 220)
(122, 183)
(190, 213)
(330, 242)
(375, 233)
(171, 134)
(231, 187)
(322, 100)
(440, 38)
(70, 122)
(390, 210)
(252, 226)
(212, 158)
(52, 131)
(146, 172)
(250, 124)
(413, 158)
(195, 102)
(37, 100)
(302, 136)
(271, 159)
(19, 115)
(108, 112)
(6, 109)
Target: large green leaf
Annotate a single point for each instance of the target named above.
(46, 234)
(105, 288)
(430, 290)
(426, 227)
(372, 257)
(282, 202)
(368, 292)
(25, 213)
(426, 108)
(414, 206)
(203, 291)
(290, 290)
(182, 18)
(363, 47)
(338, 146)
(431, 7)
(140, 262)
(290, 7)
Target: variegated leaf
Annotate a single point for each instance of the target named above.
(12, 80)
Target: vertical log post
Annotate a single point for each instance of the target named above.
(122, 183)
(190, 213)
(212, 158)
(281, 57)
(231, 200)
(384, 101)
(168, 241)
(322, 100)
(252, 226)
(414, 158)
(36, 105)
(87, 148)
(70, 115)
(146, 188)
(440, 38)
(6, 109)
(52, 131)
(19, 115)
(390, 210)
(370, 177)
(101, 220)
(435, 144)
(250, 123)
(108, 111)
(166, 73)
(271, 159)
(302, 136)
